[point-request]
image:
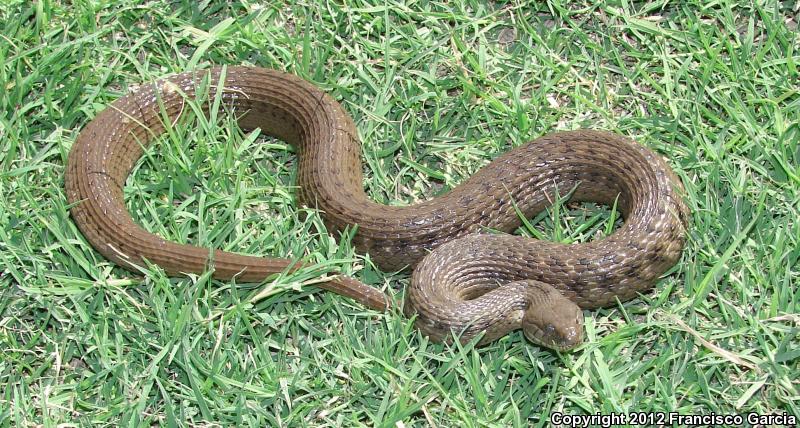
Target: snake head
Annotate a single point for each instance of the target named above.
(554, 322)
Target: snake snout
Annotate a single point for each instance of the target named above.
(568, 337)
(560, 337)
(556, 322)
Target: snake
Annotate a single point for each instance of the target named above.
(472, 277)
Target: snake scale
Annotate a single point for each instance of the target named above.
(466, 280)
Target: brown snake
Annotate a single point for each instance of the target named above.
(484, 282)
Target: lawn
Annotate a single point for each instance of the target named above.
(437, 89)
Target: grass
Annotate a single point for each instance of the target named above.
(436, 91)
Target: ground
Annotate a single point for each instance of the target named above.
(437, 89)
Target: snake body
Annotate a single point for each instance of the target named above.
(466, 281)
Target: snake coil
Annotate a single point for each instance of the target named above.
(466, 281)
